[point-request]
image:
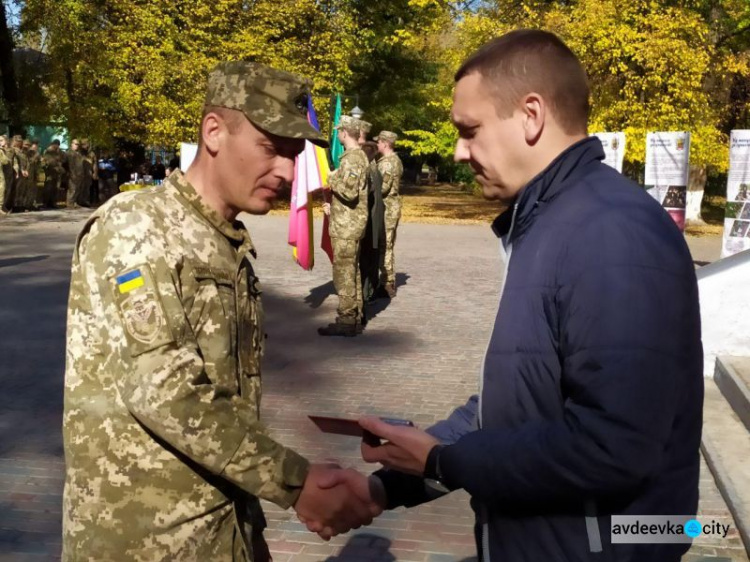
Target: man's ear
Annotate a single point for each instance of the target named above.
(534, 110)
(213, 130)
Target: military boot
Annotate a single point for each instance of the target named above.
(339, 329)
(390, 288)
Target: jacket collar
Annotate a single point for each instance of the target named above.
(234, 231)
(569, 165)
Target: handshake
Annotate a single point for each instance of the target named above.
(335, 500)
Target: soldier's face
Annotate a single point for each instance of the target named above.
(495, 147)
(256, 166)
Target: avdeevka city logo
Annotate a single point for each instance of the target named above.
(693, 528)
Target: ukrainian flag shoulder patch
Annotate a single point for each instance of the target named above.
(129, 281)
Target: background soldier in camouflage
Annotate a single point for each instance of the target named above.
(75, 174)
(90, 179)
(53, 172)
(35, 162)
(348, 185)
(21, 169)
(165, 451)
(5, 167)
(391, 169)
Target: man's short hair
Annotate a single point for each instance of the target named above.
(532, 60)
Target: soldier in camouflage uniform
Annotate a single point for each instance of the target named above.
(348, 184)
(90, 179)
(21, 173)
(166, 455)
(75, 174)
(5, 173)
(53, 172)
(391, 170)
(35, 161)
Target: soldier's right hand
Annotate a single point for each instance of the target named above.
(332, 510)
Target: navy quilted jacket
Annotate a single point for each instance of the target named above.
(592, 393)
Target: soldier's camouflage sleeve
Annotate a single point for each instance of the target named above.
(345, 183)
(161, 377)
(387, 171)
(4, 160)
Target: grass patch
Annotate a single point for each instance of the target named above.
(452, 204)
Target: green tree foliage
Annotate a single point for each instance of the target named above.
(135, 69)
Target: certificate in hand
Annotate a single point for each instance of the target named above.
(347, 426)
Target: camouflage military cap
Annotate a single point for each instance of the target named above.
(366, 127)
(349, 122)
(273, 100)
(387, 136)
(17, 138)
(27, 143)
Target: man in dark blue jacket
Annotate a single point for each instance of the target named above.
(590, 401)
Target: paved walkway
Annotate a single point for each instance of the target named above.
(418, 358)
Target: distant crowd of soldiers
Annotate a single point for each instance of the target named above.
(64, 176)
(364, 209)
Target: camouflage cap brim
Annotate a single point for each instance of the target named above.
(288, 126)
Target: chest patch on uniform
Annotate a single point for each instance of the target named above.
(140, 307)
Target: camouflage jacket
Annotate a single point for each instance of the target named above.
(349, 205)
(20, 161)
(391, 169)
(75, 165)
(53, 162)
(166, 456)
(89, 164)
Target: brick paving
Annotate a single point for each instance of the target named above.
(419, 357)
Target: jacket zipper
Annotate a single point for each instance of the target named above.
(484, 539)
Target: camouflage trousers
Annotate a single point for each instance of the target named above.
(347, 280)
(25, 193)
(51, 187)
(75, 189)
(388, 267)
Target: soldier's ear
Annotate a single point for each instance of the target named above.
(213, 129)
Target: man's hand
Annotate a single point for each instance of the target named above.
(330, 507)
(25, 174)
(406, 449)
(327, 208)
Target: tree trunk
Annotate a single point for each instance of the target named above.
(695, 189)
(10, 86)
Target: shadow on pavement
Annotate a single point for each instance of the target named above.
(319, 294)
(25, 259)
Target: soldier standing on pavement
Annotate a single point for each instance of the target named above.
(35, 161)
(75, 174)
(21, 174)
(348, 184)
(53, 171)
(5, 164)
(90, 181)
(391, 170)
(166, 456)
